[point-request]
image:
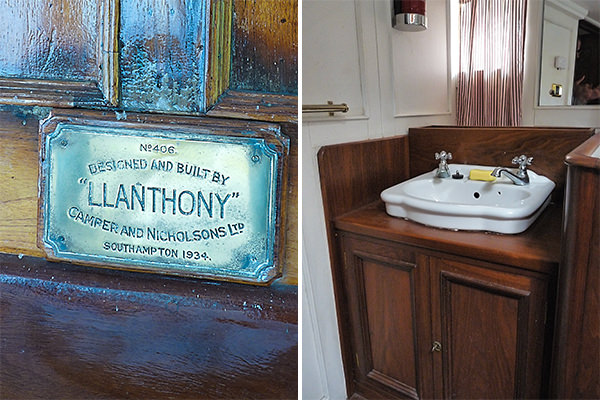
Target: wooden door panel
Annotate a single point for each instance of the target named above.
(389, 312)
(388, 320)
(485, 324)
(59, 53)
(491, 326)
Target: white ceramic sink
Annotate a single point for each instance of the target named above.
(463, 204)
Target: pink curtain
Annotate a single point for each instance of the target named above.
(490, 80)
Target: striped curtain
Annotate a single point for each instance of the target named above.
(490, 80)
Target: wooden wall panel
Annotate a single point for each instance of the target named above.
(18, 183)
(265, 46)
(60, 53)
(497, 147)
(577, 338)
(352, 175)
(55, 40)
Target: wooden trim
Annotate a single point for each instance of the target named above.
(257, 106)
(110, 51)
(218, 68)
(581, 156)
(59, 93)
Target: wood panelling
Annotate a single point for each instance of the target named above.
(265, 46)
(577, 337)
(18, 183)
(497, 147)
(352, 175)
(219, 62)
(59, 53)
(386, 292)
(256, 105)
(76, 332)
(491, 326)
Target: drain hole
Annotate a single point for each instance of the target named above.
(499, 193)
(476, 195)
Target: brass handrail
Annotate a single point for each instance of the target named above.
(328, 108)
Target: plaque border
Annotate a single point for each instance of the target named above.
(180, 128)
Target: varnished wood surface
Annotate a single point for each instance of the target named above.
(164, 54)
(491, 327)
(489, 320)
(497, 147)
(19, 176)
(387, 302)
(576, 364)
(352, 175)
(73, 332)
(257, 106)
(63, 54)
(265, 46)
(50, 40)
(582, 155)
(536, 249)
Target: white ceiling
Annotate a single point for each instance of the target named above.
(593, 7)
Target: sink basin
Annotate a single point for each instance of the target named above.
(463, 204)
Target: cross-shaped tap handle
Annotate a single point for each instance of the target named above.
(522, 161)
(443, 156)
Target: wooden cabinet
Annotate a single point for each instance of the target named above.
(427, 325)
(490, 323)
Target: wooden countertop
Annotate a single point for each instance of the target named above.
(537, 249)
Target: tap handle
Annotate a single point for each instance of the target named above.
(443, 156)
(522, 161)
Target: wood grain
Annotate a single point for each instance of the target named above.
(257, 106)
(577, 337)
(491, 326)
(63, 54)
(164, 54)
(219, 54)
(75, 332)
(265, 46)
(18, 184)
(529, 250)
(497, 147)
(352, 175)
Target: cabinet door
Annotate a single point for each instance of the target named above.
(490, 325)
(383, 290)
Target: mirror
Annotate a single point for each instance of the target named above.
(570, 57)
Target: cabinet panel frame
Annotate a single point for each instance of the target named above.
(368, 380)
(530, 294)
(66, 93)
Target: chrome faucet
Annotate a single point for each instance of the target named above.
(443, 171)
(520, 177)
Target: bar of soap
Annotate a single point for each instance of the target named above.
(481, 175)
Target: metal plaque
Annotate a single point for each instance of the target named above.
(182, 203)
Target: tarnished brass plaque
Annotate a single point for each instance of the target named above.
(176, 202)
